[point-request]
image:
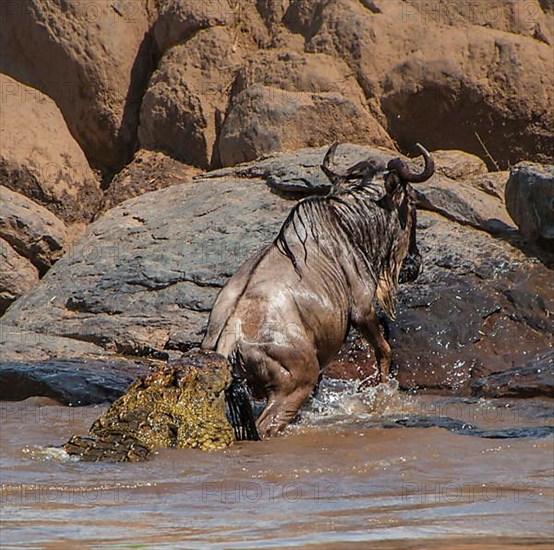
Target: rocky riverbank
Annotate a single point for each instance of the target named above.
(123, 209)
(142, 279)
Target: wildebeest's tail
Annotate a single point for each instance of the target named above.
(239, 405)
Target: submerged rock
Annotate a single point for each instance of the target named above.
(534, 379)
(77, 382)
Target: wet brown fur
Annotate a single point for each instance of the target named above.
(286, 312)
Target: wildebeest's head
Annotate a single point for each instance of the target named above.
(402, 196)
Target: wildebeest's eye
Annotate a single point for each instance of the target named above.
(551, 204)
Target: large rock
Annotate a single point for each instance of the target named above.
(184, 105)
(143, 280)
(449, 82)
(530, 201)
(31, 230)
(12, 286)
(92, 58)
(39, 158)
(265, 119)
(480, 306)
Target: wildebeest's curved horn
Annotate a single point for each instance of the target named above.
(411, 177)
(364, 169)
(329, 158)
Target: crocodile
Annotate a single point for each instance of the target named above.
(195, 402)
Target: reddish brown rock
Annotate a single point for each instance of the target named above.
(449, 83)
(147, 172)
(184, 105)
(40, 159)
(294, 71)
(264, 119)
(458, 165)
(92, 58)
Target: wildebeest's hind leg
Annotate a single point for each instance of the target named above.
(370, 328)
(287, 377)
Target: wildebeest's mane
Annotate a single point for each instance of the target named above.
(354, 220)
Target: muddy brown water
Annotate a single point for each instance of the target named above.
(344, 476)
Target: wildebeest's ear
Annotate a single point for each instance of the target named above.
(395, 188)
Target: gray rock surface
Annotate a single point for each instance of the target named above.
(143, 279)
(464, 202)
(26, 346)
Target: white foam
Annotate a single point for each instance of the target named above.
(48, 453)
(341, 400)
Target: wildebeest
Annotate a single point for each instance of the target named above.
(287, 310)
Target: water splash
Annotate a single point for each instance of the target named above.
(341, 401)
(44, 454)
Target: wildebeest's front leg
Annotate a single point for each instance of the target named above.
(370, 328)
